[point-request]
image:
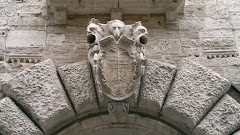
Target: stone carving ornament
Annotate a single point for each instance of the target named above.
(116, 54)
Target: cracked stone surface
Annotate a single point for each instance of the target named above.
(194, 92)
(155, 85)
(79, 85)
(223, 119)
(14, 122)
(39, 93)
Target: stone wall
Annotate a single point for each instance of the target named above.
(193, 102)
(208, 32)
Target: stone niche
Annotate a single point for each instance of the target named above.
(116, 8)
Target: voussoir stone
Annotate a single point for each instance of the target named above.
(225, 117)
(193, 93)
(14, 122)
(79, 85)
(40, 94)
(155, 85)
(237, 133)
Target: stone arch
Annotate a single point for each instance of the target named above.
(134, 124)
(188, 99)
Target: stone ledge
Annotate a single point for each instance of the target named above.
(14, 122)
(38, 91)
(194, 92)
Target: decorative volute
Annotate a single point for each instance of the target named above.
(116, 54)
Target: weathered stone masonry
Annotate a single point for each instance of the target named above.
(208, 32)
(48, 106)
(60, 96)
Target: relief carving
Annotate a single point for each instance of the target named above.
(116, 54)
(118, 112)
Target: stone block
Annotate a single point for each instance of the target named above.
(188, 24)
(60, 17)
(30, 9)
(218, 11)
(154, 126)
(234, 19)
(56, 39)
(221, 33)
(25, 38)
(237, 133)
(92, 123)
(4, 78)
(155, 85)
(225, 117)
(217, 42)
(39, 92)
(170, 46)
(216, 24)
(5, 67)
(116, 13)
(25, 20)
(80, 88)
(171, 16)
(14, 122)
(74, 129)
(3, 20)
(194, 92)
(7, 9)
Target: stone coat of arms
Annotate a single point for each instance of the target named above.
(116, 54)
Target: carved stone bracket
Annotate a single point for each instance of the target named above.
(118, 112)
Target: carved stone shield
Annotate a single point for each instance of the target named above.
(116, 55)
(118, 68)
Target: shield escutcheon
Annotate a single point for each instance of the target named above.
(118, 68)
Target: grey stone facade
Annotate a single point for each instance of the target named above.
(171, 95)
(48, 106)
